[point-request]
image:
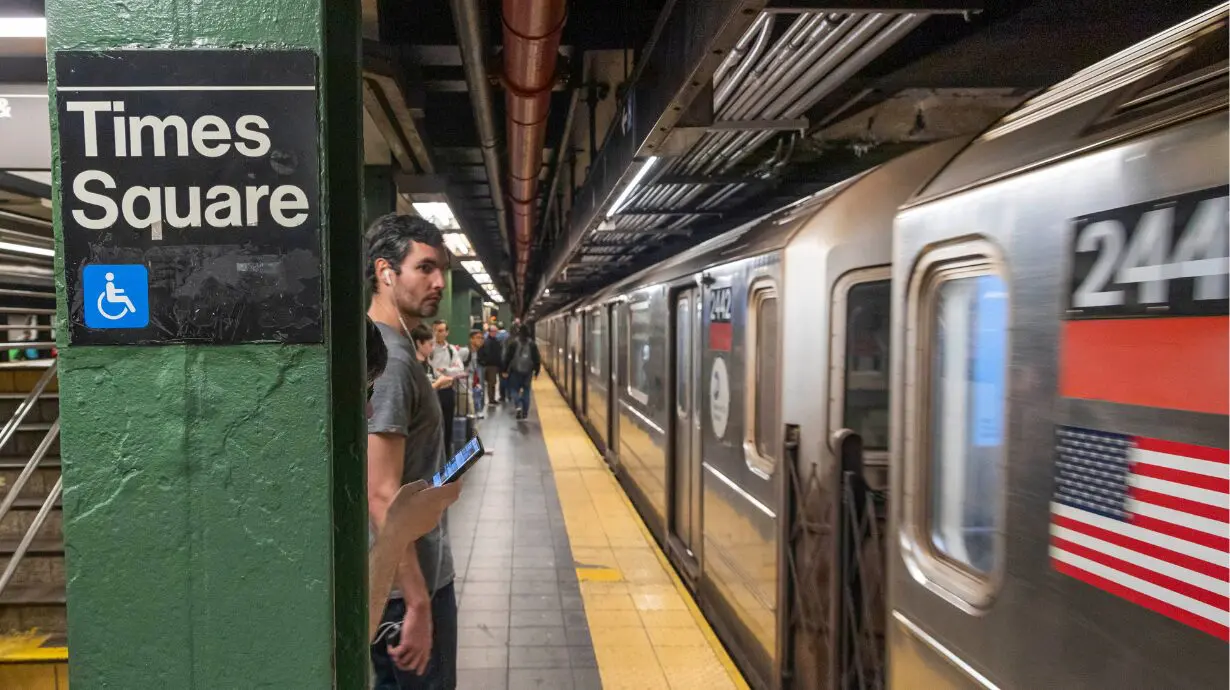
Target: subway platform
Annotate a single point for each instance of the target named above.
(560, 585)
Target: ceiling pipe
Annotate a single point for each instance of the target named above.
(532, 30)
(468, 19)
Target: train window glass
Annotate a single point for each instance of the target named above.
(597, 344)
(640, 329)
(865, 408)
(967, 393)
(762, 443)
(683, 355)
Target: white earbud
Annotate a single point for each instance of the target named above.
(387, 279)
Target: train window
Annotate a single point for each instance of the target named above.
(762, 442)
(956, 418)
(865, 393)
(683, 356)
(968, 372)
(640, 330)
(597, 343)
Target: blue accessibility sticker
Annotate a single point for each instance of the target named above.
(116, 295)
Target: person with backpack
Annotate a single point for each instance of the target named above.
(490, 358)
(521, 360)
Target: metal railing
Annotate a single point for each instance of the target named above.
(10, 430)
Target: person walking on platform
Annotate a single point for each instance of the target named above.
(417, 643)
(474, 374)
(521, 360)
(491, 358)
(446, 361)
(502, 336)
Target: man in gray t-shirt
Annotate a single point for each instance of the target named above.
(416, 644)
(404, 403)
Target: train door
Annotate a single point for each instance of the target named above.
(685, 467)
(859, 433)
(614, 333)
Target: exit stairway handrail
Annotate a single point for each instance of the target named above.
(28, 471)
(20, 552)
(10, 427)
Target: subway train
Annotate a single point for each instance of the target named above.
(960, 421)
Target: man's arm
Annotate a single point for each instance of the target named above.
(385, 453)
(386, 446)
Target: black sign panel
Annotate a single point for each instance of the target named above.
(1166, 257)
(190, 196)
(719, 305)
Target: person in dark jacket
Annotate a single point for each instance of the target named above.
(491, 359)
(521, 360)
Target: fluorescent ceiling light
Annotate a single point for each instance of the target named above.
(23, 27)
(458, 244)
(623, 196)
(473, 267)
(438, 213)
(26, 249)
(482, 278)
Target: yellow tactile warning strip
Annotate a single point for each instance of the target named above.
(647, 632)
(30, 647)
(28, 663)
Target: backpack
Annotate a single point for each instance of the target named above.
(523, 360)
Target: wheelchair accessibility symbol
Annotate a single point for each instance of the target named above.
(116, 296)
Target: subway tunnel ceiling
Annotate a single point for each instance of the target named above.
(953, 73)
(957, 70)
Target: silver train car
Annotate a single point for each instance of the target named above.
(961, 421)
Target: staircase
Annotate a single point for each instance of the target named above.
(33, 623)
(32, 598)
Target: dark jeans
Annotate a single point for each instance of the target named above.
(442, 669)
(519, 387)
(504, 387)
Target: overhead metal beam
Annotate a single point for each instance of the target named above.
(689, 42)
(682, 232)
(672, 212)
(395, 105)
(881, 6)
(408, 183)
(707, 179)
(798, 125)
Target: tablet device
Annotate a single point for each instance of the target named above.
(460, 463)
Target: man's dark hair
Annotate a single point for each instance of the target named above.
(437, 322)
(389, 238)
(421, 334)
(377, 353)
(476, 332)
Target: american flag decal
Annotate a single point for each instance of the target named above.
(1146, 520)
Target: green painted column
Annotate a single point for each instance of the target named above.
(214, 510)
(460, 318)
(379, 192)
(446, 301)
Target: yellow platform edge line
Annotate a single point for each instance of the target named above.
(24, 648)
(548, 388)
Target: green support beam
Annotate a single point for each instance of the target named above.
(379, 193)
(213, 495)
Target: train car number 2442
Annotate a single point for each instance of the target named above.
(1167, 257)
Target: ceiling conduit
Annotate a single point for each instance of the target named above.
(532, 30)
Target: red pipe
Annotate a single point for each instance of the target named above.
(532, 30)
